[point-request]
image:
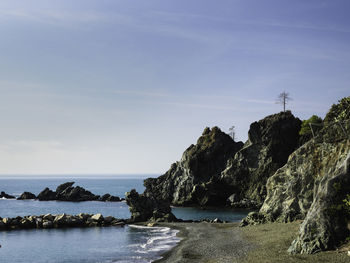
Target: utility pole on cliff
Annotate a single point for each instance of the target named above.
(283, 99)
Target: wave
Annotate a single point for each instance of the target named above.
(159, 240)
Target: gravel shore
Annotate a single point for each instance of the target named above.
(221, 243)
(208, 242)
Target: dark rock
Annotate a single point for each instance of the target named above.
(145, 207)
(7, 196)
(26, 195)
(63, 187)
(75, 194)
(109, 198)
(271, 141)
(46, 195)
(193, 180)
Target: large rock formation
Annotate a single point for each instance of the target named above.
(193, 180)
(270, 142)
(218, 170)
(312, 186)
(144, 208)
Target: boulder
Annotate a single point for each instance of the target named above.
(26, 195)
(144, 207)
(193, 180)
(46, 195)
(7, 196)
(97, 217)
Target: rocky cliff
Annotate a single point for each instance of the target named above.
(192, 180)
(217, 169)
(312, 186)
(270, 142)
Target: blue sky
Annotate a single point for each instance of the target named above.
(115, 87)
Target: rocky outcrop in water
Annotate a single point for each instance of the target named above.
(193, 180)
(26, 196)
(144, 207)
(67, 192)
(58, 221)
(270, 142)
(7, 196)
(312, 186)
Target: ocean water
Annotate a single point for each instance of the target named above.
(103, 245)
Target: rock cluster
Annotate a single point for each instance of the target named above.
(144, 207)
(58, 221)
(67, 192)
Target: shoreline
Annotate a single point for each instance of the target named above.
(206, 242)
(227, 242)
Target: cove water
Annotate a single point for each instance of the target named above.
(102, 245)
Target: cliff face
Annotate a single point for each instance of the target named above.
(312, 186)
(271, 141)
(187, 181)
(217, 169)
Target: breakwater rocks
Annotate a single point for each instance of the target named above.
(66, 192)
(59, 221)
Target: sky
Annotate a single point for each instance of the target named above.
(124, 87)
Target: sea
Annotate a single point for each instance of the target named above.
(126, 244)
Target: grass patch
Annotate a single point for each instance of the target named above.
(272, 241)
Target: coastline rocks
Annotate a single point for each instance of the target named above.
(26, 196)
(193, 180)
(144, 207)
(270, 142)
(312, 186)
(326, 223)
(7, 196)
(67, 192)
(58, 221)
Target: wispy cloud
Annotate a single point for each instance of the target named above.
(142, 93)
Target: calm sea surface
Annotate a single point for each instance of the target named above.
(103, 245)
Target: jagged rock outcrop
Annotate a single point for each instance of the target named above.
(312, 186)
(193, 180)
(270, 142)
(144, 207)
(67, 192)
(26, 196)
(7, 196)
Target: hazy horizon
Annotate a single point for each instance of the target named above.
(124, 87)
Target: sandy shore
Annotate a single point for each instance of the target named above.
(221, 243)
